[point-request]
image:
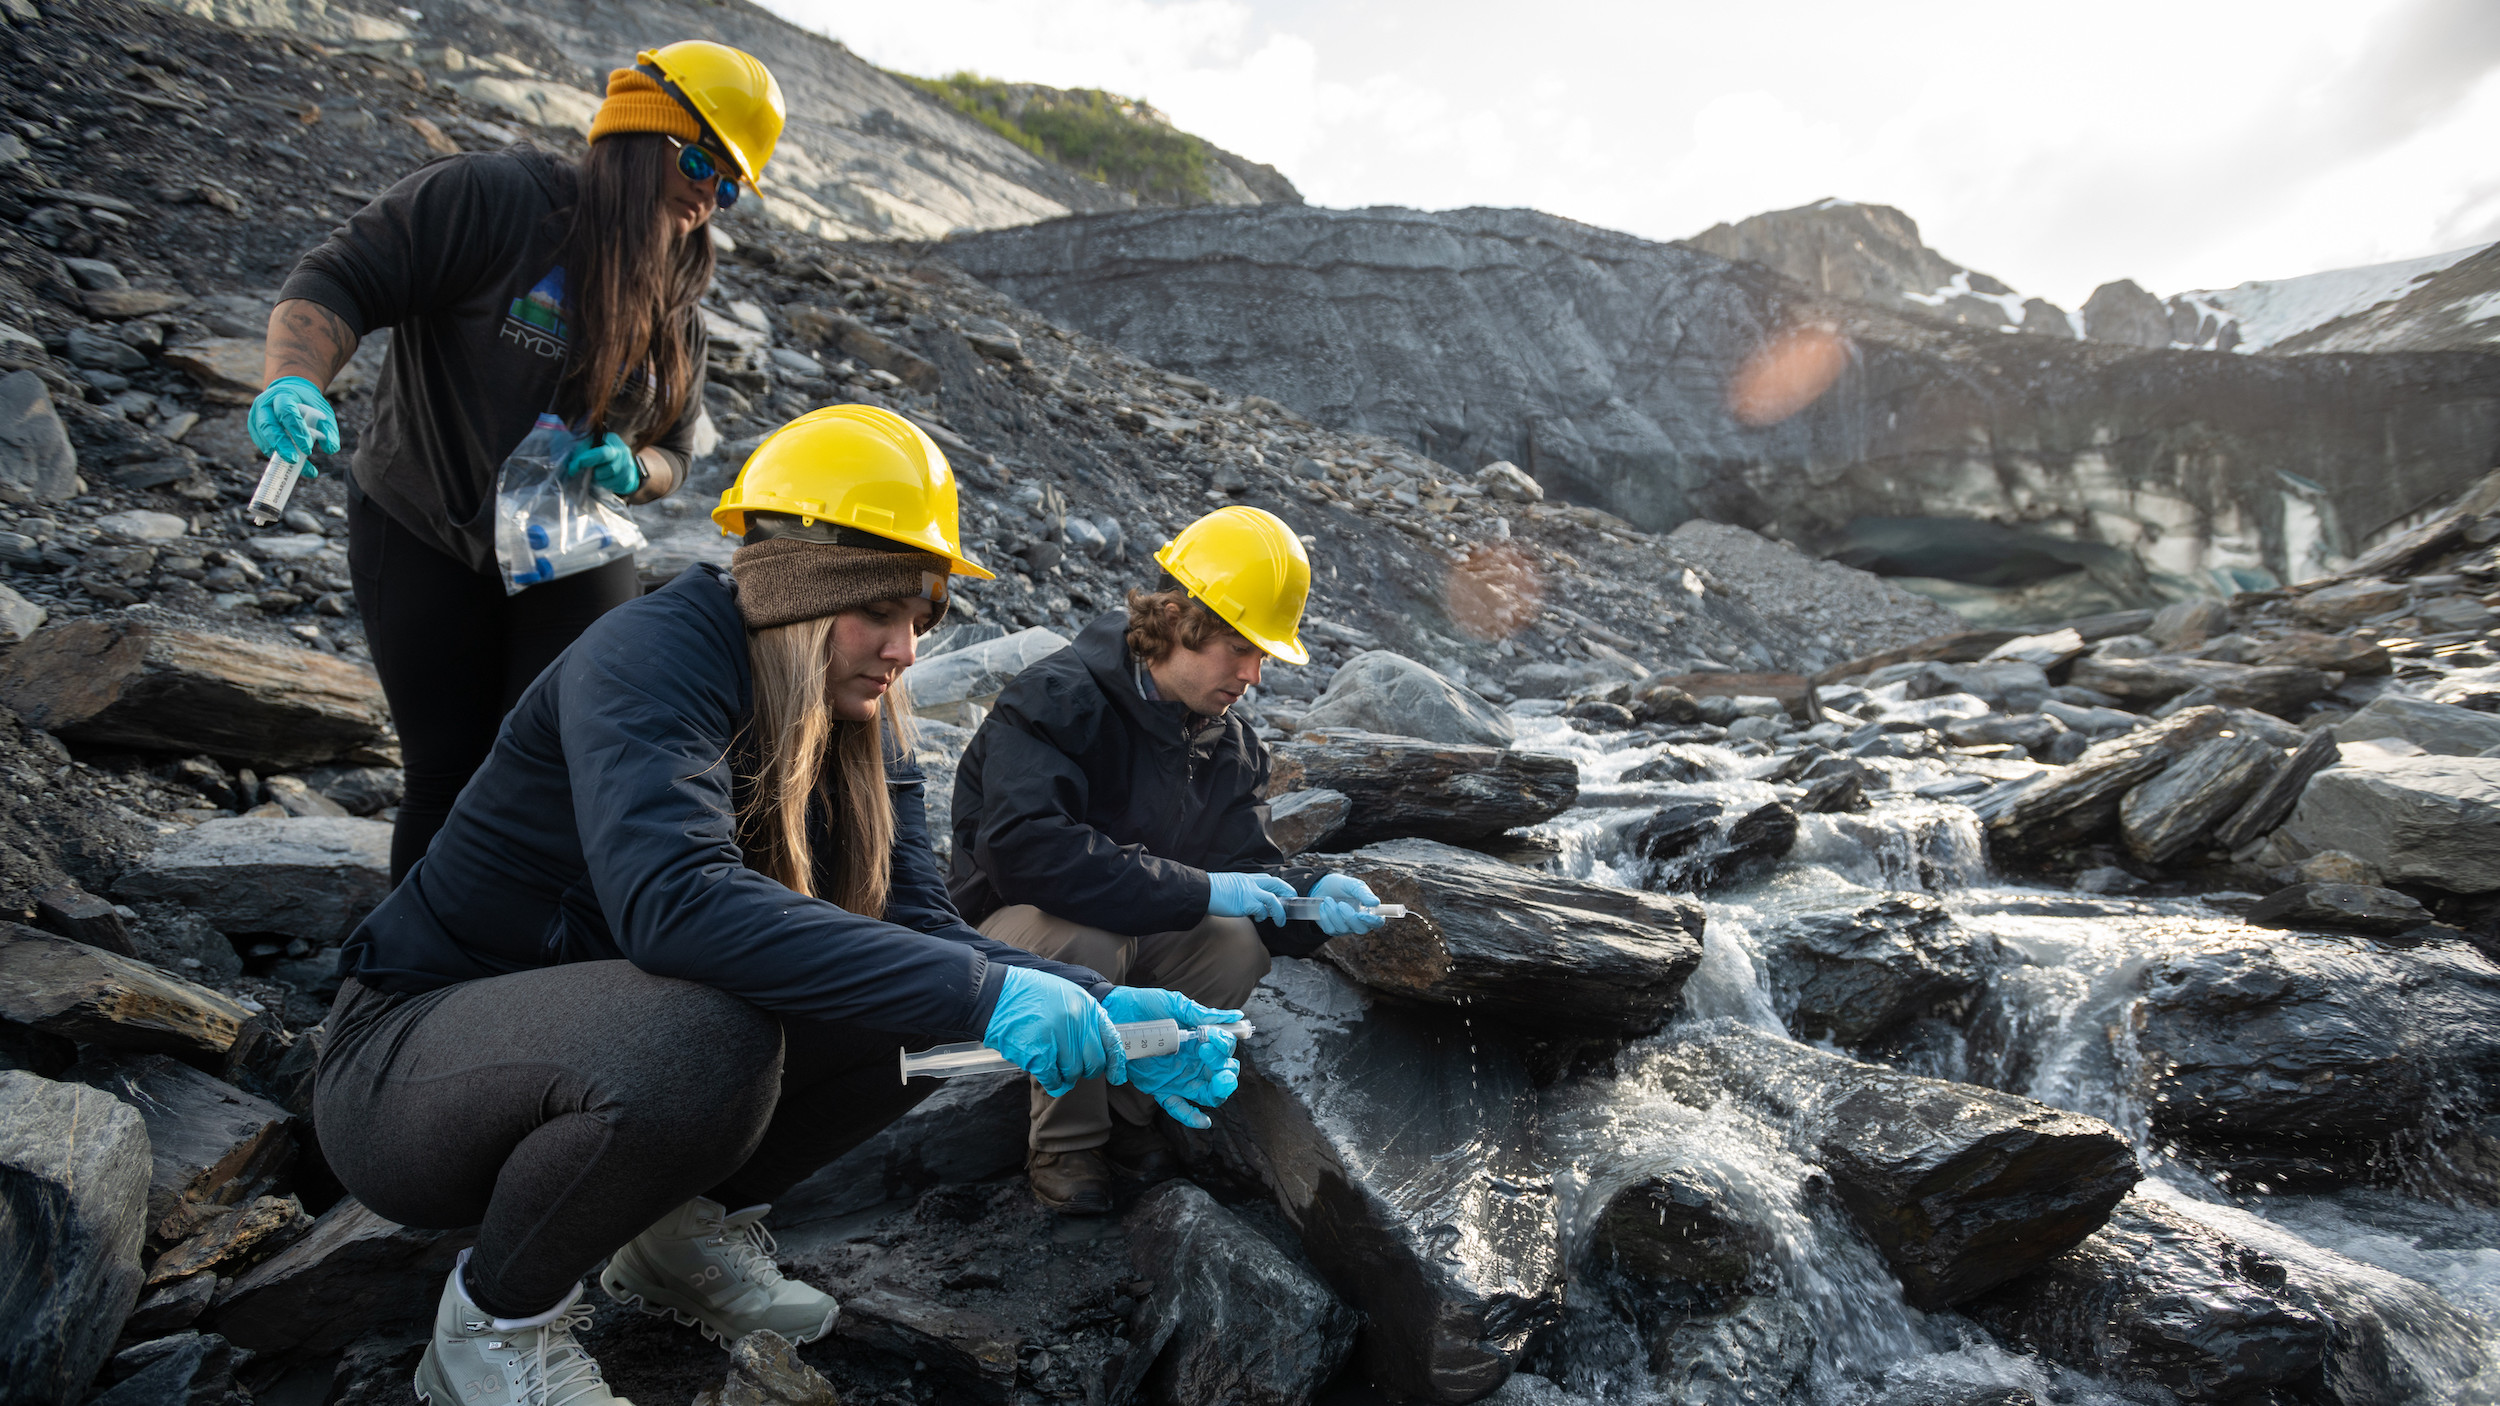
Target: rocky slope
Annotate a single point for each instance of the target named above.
(1873, 254)
(2045, 478)
(866, 154)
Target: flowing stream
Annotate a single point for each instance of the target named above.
(2058, 1031)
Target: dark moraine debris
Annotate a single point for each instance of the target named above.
(1239, 1321)
(1553, 955)
(1400, 1143)
(1399, 787)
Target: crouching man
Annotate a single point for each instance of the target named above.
(1109, 813)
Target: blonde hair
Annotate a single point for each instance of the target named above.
(805, 757)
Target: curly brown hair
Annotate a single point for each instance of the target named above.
(1160, 621)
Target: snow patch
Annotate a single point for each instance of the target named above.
(2010, 303)
(2271, 311)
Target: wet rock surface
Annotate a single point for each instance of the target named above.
(1554, 956)
(74, 1174)
(1849, 977)
(1236, 1318)
(1398, 787)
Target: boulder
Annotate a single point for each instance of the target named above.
(1400, 1145)
(362, 790)
(971, 1355)
(1240, 1321)
(2342, 654)
(1671, 1225)
(313, 877)
(352, 1274)
(2185, 624)
(1378, 691)
(2358, 907)
(210, 1144)
(1559, 957)
(950, 686)
(2414, 819)
(1850, 976)
(2280, 689)
(2177, 810)
(2029, 731)
(19, 617)
(66, 910)
(765, 1370)
(1960, 1188)
(2081, 800)
(232, 1241)
(2284, 1056)
(185, 1369)
(130, 684)
(230, 370)
(68, 989)
(2218, 1306)
(74, 1180)
(2050, 649)
(2351, 602)
(1690, 850)
(970, 1129)
(36, 460)
(298, 799)
(2443, 729)
(1754, 1352)
(1399, 787)
(2268, 804)
(1509, 483)
(171, 1307)
(1298, 820)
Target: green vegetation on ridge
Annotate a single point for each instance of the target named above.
(1121, 142)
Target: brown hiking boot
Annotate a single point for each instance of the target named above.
(1072, 1183)
(1139, 1154)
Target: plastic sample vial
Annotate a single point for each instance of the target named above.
(1143, 1039)
(1309, 908)
(277, 481)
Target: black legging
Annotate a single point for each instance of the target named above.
(454, 653)
(563, 1110)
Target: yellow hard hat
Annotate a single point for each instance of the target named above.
(1249, 568)
(857, 466)
(731, 91)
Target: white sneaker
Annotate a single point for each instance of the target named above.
(477, 1359)
(714, 1271)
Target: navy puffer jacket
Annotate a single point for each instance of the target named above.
(604, 826)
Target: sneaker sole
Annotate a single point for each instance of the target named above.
(627, 1298)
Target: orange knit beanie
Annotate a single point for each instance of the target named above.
(637, 103)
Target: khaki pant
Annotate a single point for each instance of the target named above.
(1217, 963)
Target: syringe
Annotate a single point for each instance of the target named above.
(277, 482)
(1309, 908)
(1143, 1039)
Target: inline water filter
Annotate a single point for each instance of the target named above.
(1309, 908)
(1143, 1039)
(277, 481)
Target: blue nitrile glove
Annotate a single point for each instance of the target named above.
(276, 421)
(611, 463)
(1051, 1029)
(1200, 1073)
(1253, 896)
(1342, 901)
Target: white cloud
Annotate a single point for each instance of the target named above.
(2182, 145)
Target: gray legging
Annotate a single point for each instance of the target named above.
(563, 1110)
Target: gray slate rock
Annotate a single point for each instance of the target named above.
(1754, 1352)
(2081, 800)
(2421, 819)
(186, 1369)
(1405, 1159)
(2280, 689)
(948, 687)
(210, 1145)
(1400, 787)
(1240, 1322)
(68, 989)
(2268, 804)
(2439, 728)
(2172, 813)
(1299, 820)
(74, 1176)
(19, 617)
(355, 1273)
(969, 1130)
(1849, 977)
(36, 459)
(2300, 1057)
(313, 877)
(2360, 907)
(1560, 957)
(1378, 691)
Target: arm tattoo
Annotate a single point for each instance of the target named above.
(307, 340)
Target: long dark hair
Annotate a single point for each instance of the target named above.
(631, 284)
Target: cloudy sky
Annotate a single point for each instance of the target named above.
(2181, 143)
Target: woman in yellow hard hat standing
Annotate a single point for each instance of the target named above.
(658, 964)
(533, 300)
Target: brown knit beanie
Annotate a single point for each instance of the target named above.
(783, 580)
(637, 103)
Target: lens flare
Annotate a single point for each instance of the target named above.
(1786, 374)
(1494, 592)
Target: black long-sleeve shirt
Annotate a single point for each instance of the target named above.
(461, 259)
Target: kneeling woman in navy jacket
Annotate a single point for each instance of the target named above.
(656, 967)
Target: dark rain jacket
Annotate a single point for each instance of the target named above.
(603, 825)
(1083, 797)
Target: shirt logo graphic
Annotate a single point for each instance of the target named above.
(535, 320)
